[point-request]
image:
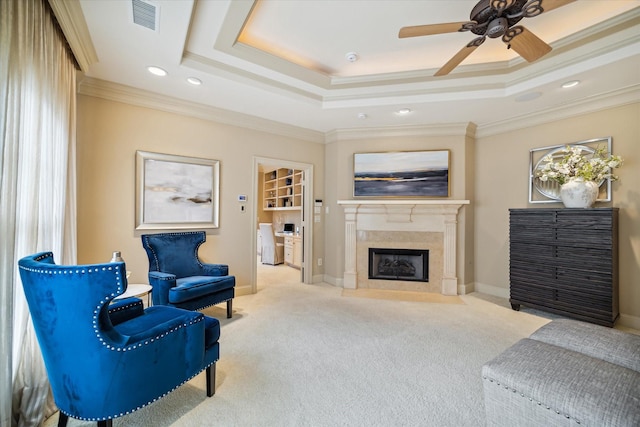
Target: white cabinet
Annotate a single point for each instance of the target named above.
(297, 251)
(293, 251)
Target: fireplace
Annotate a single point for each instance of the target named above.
(399, 264)
(413, 224)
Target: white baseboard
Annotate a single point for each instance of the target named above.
(629, 321)
(243, 290)
(496, 291)
(318, 278)
(335, 281)
(466, 288)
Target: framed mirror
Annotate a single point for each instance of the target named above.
(549, 191)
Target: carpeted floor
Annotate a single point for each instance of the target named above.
(304, 355)
(402, 296)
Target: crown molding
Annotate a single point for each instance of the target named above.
(450, 129)
(142, 98)
(128, 95)
(265, 82)
(601, 44)
(592, 104)
(71, 19)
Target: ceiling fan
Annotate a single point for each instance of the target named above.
(493, 19)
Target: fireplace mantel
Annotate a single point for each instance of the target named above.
(403, 215)
(421, 202)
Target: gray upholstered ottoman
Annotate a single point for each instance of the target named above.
(568, 373)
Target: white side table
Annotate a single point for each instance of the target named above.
(136, 290)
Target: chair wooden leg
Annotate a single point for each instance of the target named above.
(105, 423)
(62, 420)
(211, 380)
(229, 309)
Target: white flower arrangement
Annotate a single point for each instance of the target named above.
(593, 166)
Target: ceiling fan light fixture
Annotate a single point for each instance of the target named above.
(156, 71)
(497, 28)
(571, 83)
(493, 19)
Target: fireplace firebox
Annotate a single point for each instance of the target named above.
(399, 264)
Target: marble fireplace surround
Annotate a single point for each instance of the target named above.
(379, 217)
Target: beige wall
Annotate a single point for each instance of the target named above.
(109, 133)
(502, 163)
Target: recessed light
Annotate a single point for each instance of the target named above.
(156, 70)
(194, 81)
(362, 115)
(403, 111)
(571, 83)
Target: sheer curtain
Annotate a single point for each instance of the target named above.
(37, 183)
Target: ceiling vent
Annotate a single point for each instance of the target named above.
(145, 14)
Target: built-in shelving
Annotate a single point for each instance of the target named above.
(283, 189)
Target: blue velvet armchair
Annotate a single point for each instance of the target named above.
(105, 360)
(180, 279)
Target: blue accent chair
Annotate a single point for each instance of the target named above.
(180, 279)
(105, 360)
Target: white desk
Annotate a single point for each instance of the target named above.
(292, 250)
(136, 290)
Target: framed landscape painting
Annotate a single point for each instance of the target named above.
(401, 174)
(176, 192)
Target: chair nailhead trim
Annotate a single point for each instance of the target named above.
(142, 343)
(211, 305)
(121, 414)
(124, 307)
(79, 270)
(567, 416)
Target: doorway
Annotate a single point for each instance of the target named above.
(300, 203)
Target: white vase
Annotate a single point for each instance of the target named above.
(579, 193)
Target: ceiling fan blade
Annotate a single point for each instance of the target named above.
(548, 5)
(459, 57)
(428, 30)
(525, 43)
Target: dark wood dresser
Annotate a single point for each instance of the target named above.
(565, 261)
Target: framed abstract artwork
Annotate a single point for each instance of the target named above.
(401, 174)
(176, 192)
